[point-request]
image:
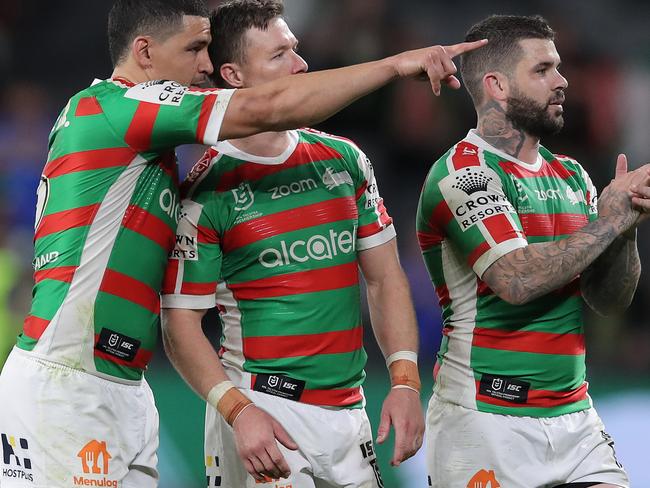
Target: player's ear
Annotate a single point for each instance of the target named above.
(141, 51)
(496, 86)
(232, 74)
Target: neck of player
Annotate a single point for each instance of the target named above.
(266, 144)
(496, 129)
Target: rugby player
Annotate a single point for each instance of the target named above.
(75, 409)
(515, 240)
(274, 229)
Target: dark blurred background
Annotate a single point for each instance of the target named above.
(50, 50)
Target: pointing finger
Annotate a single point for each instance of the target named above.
(463, 47)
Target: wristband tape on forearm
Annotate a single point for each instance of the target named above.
(228, 400)
(404, 374)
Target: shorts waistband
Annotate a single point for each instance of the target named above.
(49, 363)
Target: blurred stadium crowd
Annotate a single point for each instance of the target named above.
(50, 50)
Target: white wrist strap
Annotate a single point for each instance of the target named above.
(408, 355)
(407, 387)
(218, 391)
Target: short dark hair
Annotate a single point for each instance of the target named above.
(229, 24)
(503, 50)
(131, 18)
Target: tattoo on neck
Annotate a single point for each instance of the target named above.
(496, 129)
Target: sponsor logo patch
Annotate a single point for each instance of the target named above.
(484, 479)
(279, 385)
(16, 463)
(161, 92)
(94, 458)
(470, 199)
(504, 388)
(117, 345)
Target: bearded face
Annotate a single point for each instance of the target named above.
(537, 119)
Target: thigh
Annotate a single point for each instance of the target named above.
(467, 448)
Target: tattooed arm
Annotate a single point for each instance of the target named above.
(608, 284)
(531, 272)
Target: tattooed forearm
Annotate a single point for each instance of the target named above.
(533, 271)
(498, 131)
(609, 283)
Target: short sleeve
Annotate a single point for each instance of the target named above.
(468, 207)
(169, 114)
(194, 266)
(375, 224)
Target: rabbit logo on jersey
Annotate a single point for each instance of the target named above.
(470, 197)
(318, 247)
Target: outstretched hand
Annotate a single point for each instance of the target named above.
(256, 433)
(435, 63)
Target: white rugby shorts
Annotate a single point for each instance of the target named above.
(64, 428)
(335, 447)
(466, 448)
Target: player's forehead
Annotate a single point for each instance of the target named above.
(276, 35)
(194, 28)
(536, 51)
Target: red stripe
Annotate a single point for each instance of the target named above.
(140, 361)
(500, 228)
(88, 106)
(89, 160)
(369, 230)
(273, 347)
(332, 398)
(482, 288)
(428, 240)
(289, 220)
(35, 326)
(66, 219)
(304, 153)
(552, 224)
(384, 218)
(440, 218)
(148, 225)
(188, 288)
(529, 341)
(204, 117)
(311, 281)
(207, 235)
(138, 135)
(474, 256)
(130, 289)
(124, 81)
(465, 155)
(171, 273)
(360, 190)
(61, 273)
(539, 398)
(554, 169)
(443, 295)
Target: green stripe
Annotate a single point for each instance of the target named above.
(48, 297)
(325, 311)
(322, 371)
(118, 370)
(556, 372)
(148, 268)
(80, 188)
(534, 411)
(121, 315)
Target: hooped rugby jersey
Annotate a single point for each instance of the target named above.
(477, 205)
(273, 243)
(108, 205)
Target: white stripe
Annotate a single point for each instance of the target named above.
(213, 127)
(232, 328)
(455, 379)
(71, 334)
(188, 302)
(377, 239)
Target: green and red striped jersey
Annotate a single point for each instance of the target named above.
(108, 205)
(477, 205)
(273, 243)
